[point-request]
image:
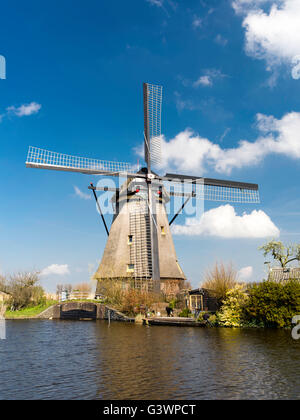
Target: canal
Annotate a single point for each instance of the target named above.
(42, 359)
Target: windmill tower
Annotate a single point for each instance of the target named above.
(140, 251)
(134, 253)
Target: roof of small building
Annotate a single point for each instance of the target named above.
(199, 291)
(281, 274)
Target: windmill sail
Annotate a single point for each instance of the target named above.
(211, 189)
(152, 145)
(152, 123)
(45, 159)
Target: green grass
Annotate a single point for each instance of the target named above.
(30, 312)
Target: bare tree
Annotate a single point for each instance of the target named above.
(187, 285)
(24, 290)
(3, 284)
(2, 310)
(59, 289)
(68, 288)
(83, 287)
(219, 279)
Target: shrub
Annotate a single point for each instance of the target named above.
(112, 291)
(232, 313)
(185, 313)
(173, 303)
(219, 279)
(274, 304)
(213, 321)
(125, 298)
(133, 301)
(200, 317)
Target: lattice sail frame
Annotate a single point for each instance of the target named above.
(45, 158)
(152, 115)
(203, 191)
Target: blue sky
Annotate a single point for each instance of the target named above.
(74, 74)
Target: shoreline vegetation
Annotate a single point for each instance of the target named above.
(264, 304)
(29, 312)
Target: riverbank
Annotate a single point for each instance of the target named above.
(35, 311)
(29, 313)
(72, 310)
(93, 310)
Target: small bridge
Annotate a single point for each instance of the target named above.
(83, 310)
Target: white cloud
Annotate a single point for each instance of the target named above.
(221, 40)
(21, 111)
(197, 22)
(245, 273)
(204, 81)
(24, 110)
(244, 6)
(81, 194)
(225, 223)
(272, 35)
(158, 3)
(224, 134)
(59, 270)
(189, 152)
(208, 77)
(182, 104)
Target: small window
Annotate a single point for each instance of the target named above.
(162, 229)
(130, 239)
(130, 268)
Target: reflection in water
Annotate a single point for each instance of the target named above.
(77, 359)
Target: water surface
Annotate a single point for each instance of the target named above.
(42, 359)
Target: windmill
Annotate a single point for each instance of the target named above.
(140, 249)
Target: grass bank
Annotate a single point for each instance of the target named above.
(30, 312)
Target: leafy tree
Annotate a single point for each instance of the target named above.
(283, 254)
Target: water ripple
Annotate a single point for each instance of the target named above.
(91, 360)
